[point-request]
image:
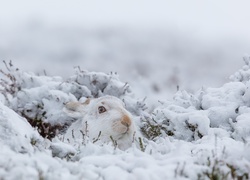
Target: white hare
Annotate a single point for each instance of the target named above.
(104, 117)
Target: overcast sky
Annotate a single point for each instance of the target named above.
(209, 18)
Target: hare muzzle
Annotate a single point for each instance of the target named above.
(126, 121)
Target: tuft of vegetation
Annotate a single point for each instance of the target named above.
(98, 137)
(9, 84)
(220, 169)
(180, 170)
(194, 129)
(142, 146)
(152, 129)
(114, 142)
(46, 130)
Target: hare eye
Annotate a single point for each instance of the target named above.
(101, 109)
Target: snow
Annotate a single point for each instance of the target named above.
(194, 135)
(16, 132)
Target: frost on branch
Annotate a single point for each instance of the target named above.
(242, 75)
(9, 84)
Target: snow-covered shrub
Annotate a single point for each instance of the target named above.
(190, 116)
(40, 99)
(217, 155)
(181, 119)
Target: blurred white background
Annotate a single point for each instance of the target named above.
(153, 45)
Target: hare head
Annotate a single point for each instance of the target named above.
(105, 118)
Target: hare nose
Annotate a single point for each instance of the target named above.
(126, 121)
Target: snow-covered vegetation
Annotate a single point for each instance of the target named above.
(205, 135)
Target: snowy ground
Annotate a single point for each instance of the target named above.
(205, 135)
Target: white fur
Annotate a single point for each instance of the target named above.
(108, 123)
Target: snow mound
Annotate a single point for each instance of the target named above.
(16, 132)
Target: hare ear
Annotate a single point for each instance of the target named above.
(87, 101)
(76, 109)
